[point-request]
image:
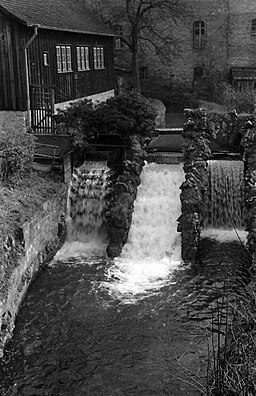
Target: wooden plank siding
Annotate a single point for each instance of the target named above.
(74, 84)
(68, 86)
(12, 66)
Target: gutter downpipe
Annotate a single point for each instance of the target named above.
(32, 38)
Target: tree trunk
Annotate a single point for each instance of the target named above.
(135, 64)
(135, 71)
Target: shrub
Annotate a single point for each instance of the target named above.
(241, 101)
(16, 153)
(77, 121)
(124, 115)
(177, 94)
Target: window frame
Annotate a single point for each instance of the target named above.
(199, 34)
(118, 30)
(253, 27)
(64, 58)
(198, 73)
(83, 58)
(143, 72)
(46, 59)
(98, 57)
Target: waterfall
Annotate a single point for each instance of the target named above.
(153, 246)
(225, 195)
(86, 202)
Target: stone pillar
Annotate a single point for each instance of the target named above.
(197, 137)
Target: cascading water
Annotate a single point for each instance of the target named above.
(153, 247)
(86, 206)
(224, 201)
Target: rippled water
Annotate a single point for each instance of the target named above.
(132, 326)
(73, 337)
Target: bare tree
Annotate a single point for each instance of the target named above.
(145, 23)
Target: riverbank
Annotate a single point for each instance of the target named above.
(73, 337)
(32, 228)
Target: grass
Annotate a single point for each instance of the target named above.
(232, 363)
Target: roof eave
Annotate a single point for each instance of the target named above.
(69, 30)
(32, 24)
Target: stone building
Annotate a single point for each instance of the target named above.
(215, 35)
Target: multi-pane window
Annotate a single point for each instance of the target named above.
(64, 63)
(253, 27)
(119, 33)
(199, 34)
(98, 57)
(82, 57)
(143, 71)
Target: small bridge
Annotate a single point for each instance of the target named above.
(166, 148)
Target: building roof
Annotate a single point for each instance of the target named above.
(63, 15)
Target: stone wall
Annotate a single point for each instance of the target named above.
(242, 49)
(249, 144)
(28, 249)
(13, 120)
(201, 131)
(100, 97)
(228, 40)
(121, 202)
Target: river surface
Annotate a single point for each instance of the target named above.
(142, 324)
(72, 337)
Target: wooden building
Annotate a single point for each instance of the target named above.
(52, 52)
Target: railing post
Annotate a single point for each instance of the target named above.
(52, 110)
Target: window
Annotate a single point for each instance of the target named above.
(119, 32)
(198, 73)
(82, 57)
(98, 57)
(46, 58)
(199, 34)
(143, 71)
(253, 28)
(64, 63)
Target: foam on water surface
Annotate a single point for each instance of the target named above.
(224, 235)
(153, 250)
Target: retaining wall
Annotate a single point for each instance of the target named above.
(29, 248)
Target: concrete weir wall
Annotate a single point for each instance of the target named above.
(32, 244)
(206, 132)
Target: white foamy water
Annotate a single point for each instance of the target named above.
(153, 248)
(76, 249)
(86, 203)
(225, 195)
(85, 208)
(224, 235)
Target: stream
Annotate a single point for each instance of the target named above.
(138, 325)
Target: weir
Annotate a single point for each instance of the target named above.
(86, 203)
(153, 247)
(224, 202)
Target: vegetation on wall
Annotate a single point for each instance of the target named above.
(16, 153)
